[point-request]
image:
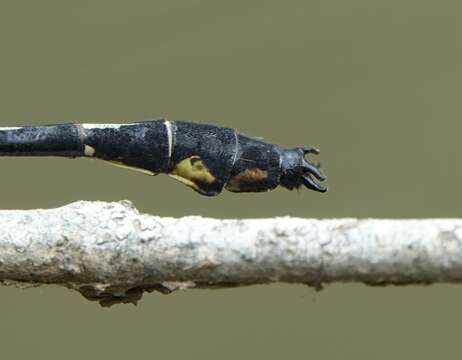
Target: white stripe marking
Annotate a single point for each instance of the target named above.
(105, 126)
(10, 128)
(169, 138)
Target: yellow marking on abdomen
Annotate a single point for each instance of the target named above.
(89, 150)
(192, 172)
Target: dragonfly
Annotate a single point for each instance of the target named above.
(206, 158)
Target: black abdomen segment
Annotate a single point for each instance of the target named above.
(52, 140)
(143, 146)
(202, 156)
(257, 166)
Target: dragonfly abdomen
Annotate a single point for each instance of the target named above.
(206, 158)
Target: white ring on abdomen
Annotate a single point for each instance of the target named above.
(168, 126)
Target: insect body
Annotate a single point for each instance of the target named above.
(206, 158)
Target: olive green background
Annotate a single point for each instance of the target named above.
(375, 84)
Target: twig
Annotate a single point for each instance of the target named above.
(111, 253)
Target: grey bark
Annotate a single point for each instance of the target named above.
(111, 253)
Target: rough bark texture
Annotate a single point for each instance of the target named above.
(111, 253)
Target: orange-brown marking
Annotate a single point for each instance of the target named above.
(245, 177)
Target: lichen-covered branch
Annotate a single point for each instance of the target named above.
(111, 253)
